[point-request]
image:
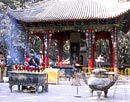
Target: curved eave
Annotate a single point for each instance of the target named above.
(69, 19)
(70, 10)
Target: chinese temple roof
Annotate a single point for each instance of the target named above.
(61, 10)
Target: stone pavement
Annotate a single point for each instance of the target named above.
(65, 92)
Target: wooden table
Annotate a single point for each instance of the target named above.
(34, 79)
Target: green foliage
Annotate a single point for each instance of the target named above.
(124, 48)
(36, 43)
(13, 3)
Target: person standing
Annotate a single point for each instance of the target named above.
(9, 65)
(2, 66)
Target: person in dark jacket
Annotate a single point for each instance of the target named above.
(34, 60)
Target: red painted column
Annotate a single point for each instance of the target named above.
(115, 51)
(90, 59)
(93, 52)
(112, 53)
(46, 39)
(112, 56)
(43, 50)
(93, 49)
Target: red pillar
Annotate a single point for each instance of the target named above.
(115, 40)
(90, 64)
(47, 44)
(112, 55)
(43, 50)
(115, 58)
(93, 53)
(90, 59)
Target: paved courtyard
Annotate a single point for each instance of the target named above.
(65, 92)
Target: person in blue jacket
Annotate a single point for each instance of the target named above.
(34, 60)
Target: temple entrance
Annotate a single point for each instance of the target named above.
(74, 48)
(102, 53)
(102, 40)
(74, 52)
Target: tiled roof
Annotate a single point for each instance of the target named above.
(55, 10)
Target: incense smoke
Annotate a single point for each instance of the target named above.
(14, 40)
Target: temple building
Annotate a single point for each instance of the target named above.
(76, 20)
